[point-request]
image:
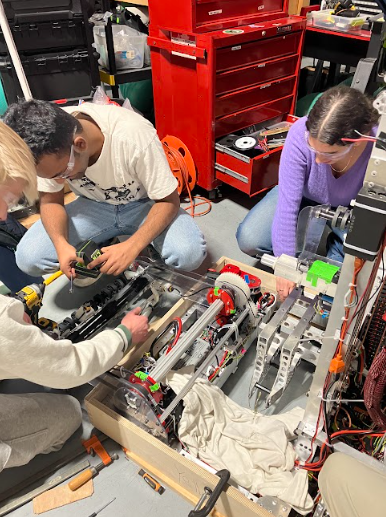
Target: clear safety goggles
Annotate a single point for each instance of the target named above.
(335, 156)
(70, 165)
(10, 199)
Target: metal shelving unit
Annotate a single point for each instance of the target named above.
(113, 77)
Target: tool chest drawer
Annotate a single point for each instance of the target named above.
(247, 170)
(236, 101)
(260, 50)
(209, 15)
(256, 74)
(255, 115)
(252, 177)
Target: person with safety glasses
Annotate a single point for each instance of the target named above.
(323, 161)
(113, 160)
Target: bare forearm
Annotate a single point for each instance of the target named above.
(159, 218)
(54, 219)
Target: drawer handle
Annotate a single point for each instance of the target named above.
(211, 495)
(234, 174)
(182, 50)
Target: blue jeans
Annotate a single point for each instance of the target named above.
(181, 245)
(11, 276)
(254, 235)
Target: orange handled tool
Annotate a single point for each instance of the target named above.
(88, 474)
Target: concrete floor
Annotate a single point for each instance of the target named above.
(121, 479)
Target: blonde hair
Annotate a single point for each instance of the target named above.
(16, 162)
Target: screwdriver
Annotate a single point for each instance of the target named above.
(103, 507)
(88, 474)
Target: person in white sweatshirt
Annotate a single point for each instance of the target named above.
(38, 423)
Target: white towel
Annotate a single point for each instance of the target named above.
(256, 449)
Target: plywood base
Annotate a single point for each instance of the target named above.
(175, 471)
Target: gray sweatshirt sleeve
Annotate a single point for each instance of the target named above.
(27, 353)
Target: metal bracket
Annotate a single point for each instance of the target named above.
(289, 357)
(274, 506)
(265, 349)
(362, 73)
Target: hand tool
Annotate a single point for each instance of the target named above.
(88, 474)
(32, 296)
(152, 482)
(47, 471)
(103, 507)
(71, 290)
(24, 499)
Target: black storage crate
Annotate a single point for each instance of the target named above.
(35, 11)
(50, 76)
(44, 36)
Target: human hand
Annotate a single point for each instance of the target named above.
(284, 287)
(138, 325)
(115, 259)
(67, 256)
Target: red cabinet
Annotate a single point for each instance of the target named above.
(210, 84)
(210, 15)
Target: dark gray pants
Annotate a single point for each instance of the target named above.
(35, 423)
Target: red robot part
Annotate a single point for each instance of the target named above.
(148, 383)
(253, 281)
(229, 307)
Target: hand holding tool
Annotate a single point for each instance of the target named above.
(94, 514)
(88, 474)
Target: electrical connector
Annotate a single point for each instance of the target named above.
(337, 364)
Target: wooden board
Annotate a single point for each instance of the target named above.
(175, 471)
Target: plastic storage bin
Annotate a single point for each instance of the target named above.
(50, 76)
(41, 36)
(129, 47)
(31, 11)
(327, 20)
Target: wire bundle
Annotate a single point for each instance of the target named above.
(183, 169)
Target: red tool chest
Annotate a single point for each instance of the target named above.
(211, 84)
(210, 15)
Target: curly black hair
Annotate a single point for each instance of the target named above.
(338, 113)
(45, 127)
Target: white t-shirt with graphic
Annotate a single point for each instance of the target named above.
(132, 164)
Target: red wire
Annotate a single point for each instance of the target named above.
(179, 330)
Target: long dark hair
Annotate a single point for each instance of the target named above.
(338, 113)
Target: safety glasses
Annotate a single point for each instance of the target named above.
(10, 199)
(335, 156)
(70, 165)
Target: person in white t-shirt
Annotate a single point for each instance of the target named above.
(113, 160)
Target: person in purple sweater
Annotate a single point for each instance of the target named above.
(316, 167)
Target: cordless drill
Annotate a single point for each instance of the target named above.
(32, 298)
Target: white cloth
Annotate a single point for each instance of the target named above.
(27, 353)
(256, 449)
(132, 164)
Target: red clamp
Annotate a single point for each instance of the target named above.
(93, 446)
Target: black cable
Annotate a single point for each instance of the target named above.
(161, 334)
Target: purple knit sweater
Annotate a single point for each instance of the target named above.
(300, 176)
